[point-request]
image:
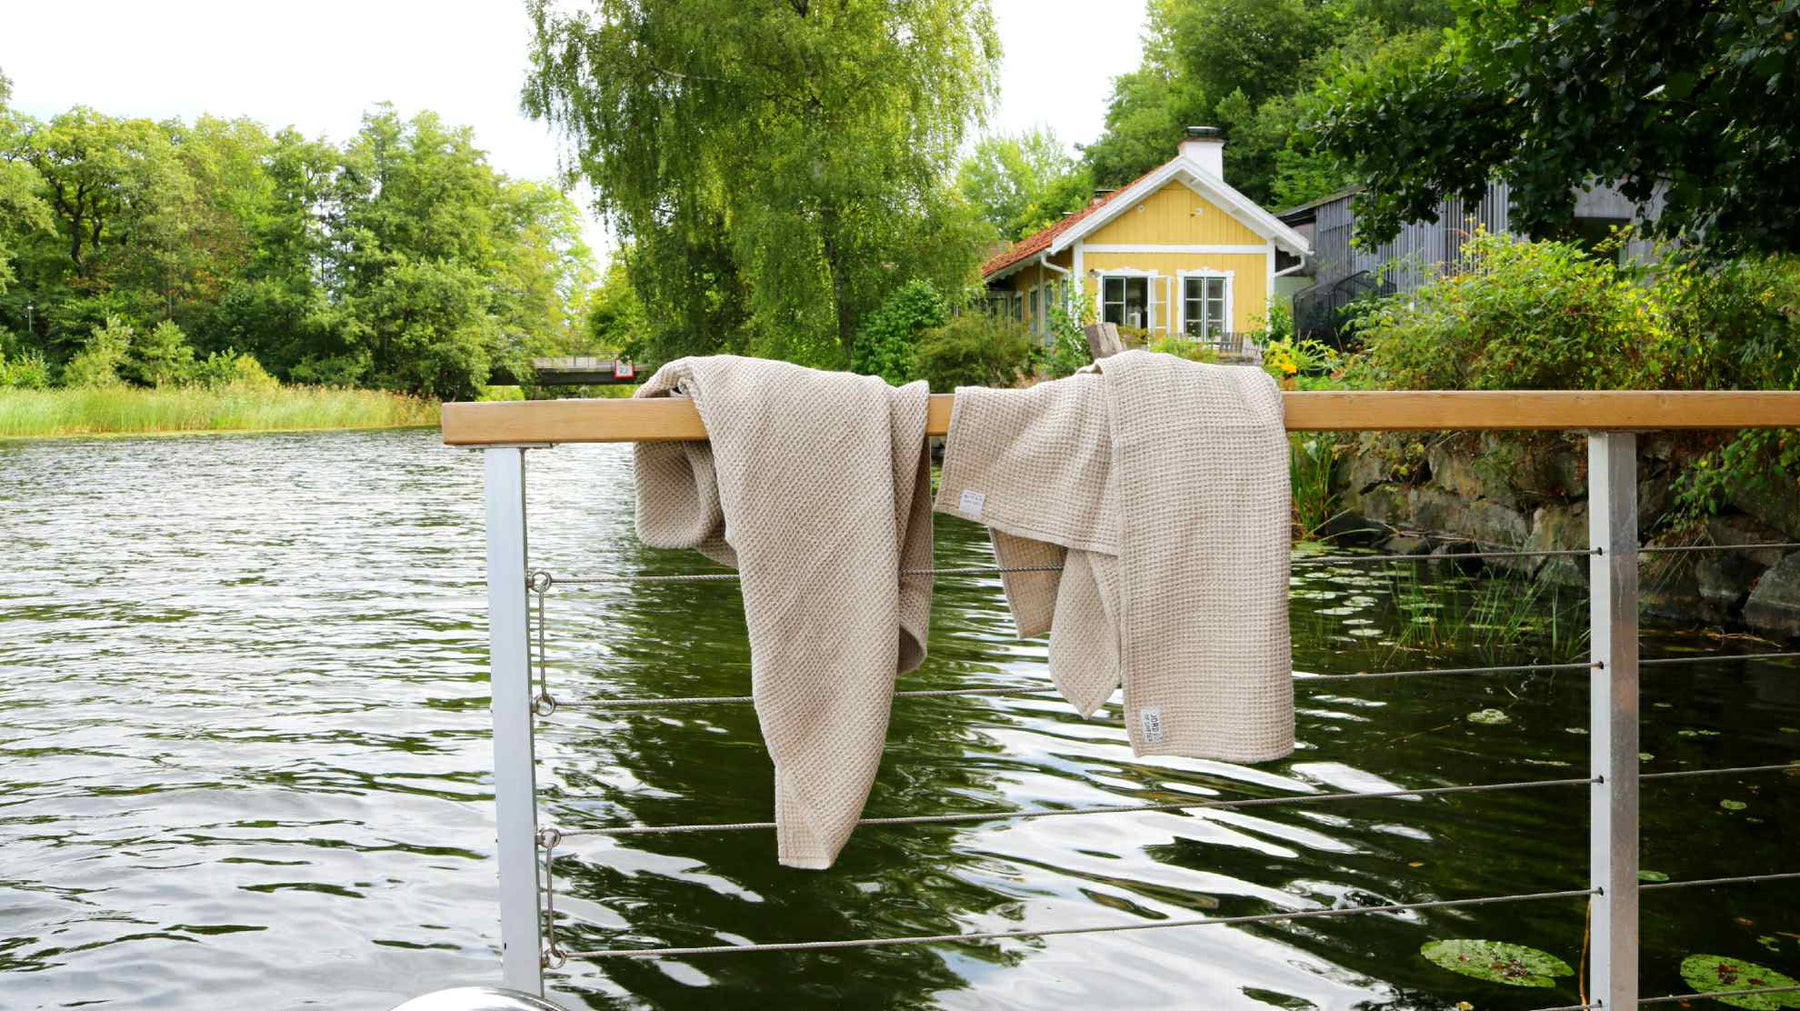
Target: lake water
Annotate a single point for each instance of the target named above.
(244, 745)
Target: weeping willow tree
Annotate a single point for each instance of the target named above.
(775, 167)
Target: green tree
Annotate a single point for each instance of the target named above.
(22, 212)
(97, 363)
(887, 342)
(1696, 102)
(1021, 183)
(158, 356)
(777, 166)
(616, 320)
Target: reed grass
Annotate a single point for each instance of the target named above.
(128, 410)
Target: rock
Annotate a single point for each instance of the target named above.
(1453, 470)
(1724, 580)
(1671, 590)
(1737, 528)
(1655, 495)
(1773, 607)
(1407, 544)
(1776, 507)
(1499, 528)
(1560, 528)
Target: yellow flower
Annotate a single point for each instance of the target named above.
(1289, 367)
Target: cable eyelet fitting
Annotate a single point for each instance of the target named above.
(539, 581)
(549, 838)
(544, 704)
(554, 957)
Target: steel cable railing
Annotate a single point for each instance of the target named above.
(541, 582)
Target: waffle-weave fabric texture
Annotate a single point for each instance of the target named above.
(816, 487)
(1162, 485)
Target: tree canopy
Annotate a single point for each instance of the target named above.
(1249, 66)
(1021, 183)
(776, 166)
(398, 259)
(1695, 103)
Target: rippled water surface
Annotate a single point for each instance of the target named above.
(244, 746)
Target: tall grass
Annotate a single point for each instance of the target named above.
(1310, 461)
(124, 410)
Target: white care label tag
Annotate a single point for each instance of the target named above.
(1153, 725)
(971, 503)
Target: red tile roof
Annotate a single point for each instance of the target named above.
(1040, 240)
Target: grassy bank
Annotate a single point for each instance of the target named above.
(129, 410)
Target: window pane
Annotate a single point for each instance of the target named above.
(1136, 298)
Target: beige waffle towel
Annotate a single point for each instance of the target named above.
(1161, 486)
(815, 486)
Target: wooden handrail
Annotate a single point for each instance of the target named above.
(665, 420)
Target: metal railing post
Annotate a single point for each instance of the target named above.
(1613, 709)
(515, 783)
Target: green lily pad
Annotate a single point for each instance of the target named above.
(1496, 961)
(1652, 876)
(1489, 717)
(1790, 730)
(1733, 805)
(1691, 732)
(1713, 973)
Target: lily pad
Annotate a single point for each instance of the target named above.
(1691, 732)
(1496, 961)
(1652, 876)
(1713, 973)
(1489, 717)
(1733, 805)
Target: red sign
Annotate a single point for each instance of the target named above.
(624, 370)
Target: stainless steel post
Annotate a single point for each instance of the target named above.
(515, 783)
(1613, 717)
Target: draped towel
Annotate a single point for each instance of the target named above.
(1161, 487)
(816, 487)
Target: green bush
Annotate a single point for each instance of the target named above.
(1512, 314)
(232, 369)
(974, 349)
(159, 356)
(27, 372)
(887, 343)
(97, 363)
(1181, 347)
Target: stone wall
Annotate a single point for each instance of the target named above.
(1487, 493)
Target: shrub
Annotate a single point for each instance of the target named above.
(1510, 313)
(97, 363)
(1068, 347)
(1181, 347)
(228, 369)
(974, 349)
(158, 356)
(27, 372)
(887, 343)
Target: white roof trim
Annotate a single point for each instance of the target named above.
(1206, 185)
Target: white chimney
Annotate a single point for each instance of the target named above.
(1204, 145)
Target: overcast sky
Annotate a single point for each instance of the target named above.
(320, 65)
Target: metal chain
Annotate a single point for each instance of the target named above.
(998, 935)
(979, 816)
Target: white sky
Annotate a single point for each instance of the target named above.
(318, 66)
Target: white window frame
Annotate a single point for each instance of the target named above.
(1149, 277)
(1230, 277)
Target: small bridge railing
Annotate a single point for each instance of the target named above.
(506, 430)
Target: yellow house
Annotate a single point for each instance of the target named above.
(1176, 252)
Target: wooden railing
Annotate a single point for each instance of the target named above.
(664, 419)
(506, 430)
